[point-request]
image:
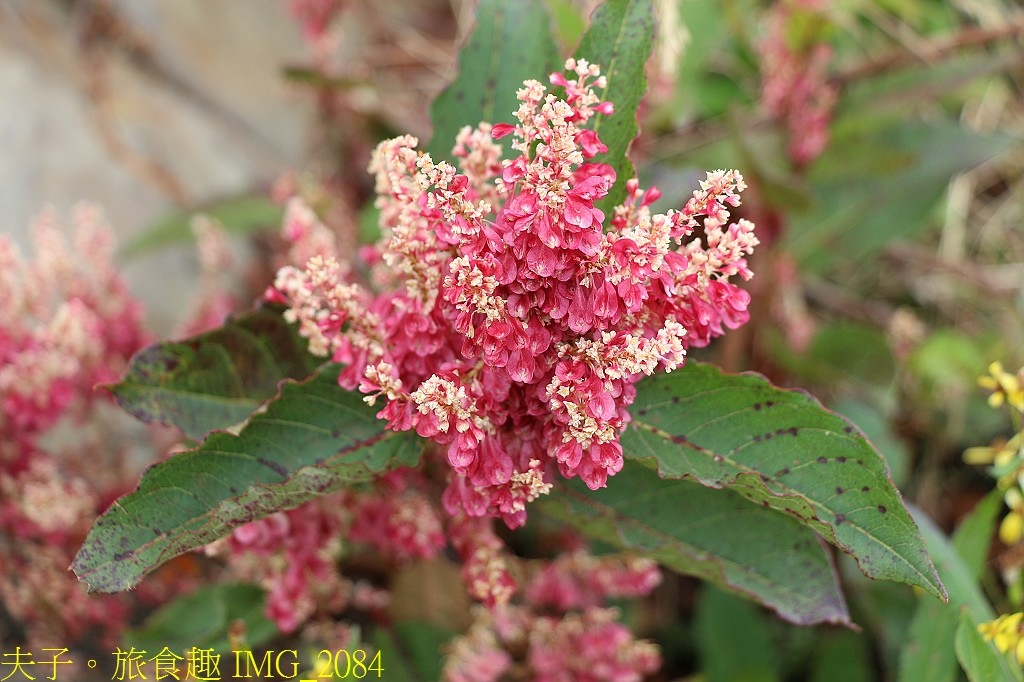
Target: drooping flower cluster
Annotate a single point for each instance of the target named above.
(291, 554)
(67, 322)
(794, 76)
(510, 325)
(562, 632)
(295, 554)
(579, 580)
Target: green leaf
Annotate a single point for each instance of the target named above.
(780, 449)
(980, 659)
(313, 438)
(239, 215)
(842, 657)
(722, 621)
(215, 379)
(711, 534)
(569, 23)
(202, 619)
(512, 42)
(619, 40)
(871, 415)
(928, 653)
(411, 650)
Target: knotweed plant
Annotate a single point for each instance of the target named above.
(508, 326)
(514, 346)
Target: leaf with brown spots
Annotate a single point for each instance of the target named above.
(313, 438)
(782, 450)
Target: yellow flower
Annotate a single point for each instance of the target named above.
(1001, 454)
(1005, 633)
(1005, 387)
(1011, 530)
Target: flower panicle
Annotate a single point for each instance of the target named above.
(513, 316)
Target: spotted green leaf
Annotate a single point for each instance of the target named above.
(313, 438)
(782, 450)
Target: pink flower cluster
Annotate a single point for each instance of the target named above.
(579, 580)
(512, 317)
(67, 322)
(794, 80)
(562, 633)
(293, 559)
(296, 554)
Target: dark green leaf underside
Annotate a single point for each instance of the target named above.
(215, 379)
(712, 534)
(314, 438)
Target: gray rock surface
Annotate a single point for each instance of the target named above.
(174, 103)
